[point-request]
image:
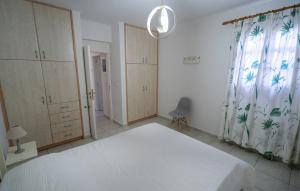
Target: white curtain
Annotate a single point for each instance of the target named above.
(262, 109)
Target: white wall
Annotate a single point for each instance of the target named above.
(204, 83)
(95, 31)
(118, 74)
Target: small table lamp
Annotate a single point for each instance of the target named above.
(14, 133)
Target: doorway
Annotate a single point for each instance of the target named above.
(98, 88)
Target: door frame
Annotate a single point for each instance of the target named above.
(108, 67)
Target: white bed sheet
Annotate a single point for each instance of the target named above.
(147, 158)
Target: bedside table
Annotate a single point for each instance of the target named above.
(29, 152)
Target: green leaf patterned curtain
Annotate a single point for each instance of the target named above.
(262, 107)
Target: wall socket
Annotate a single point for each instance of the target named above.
(191, 60)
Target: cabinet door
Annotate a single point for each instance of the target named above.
(17, 34)
(24, 96)
(54, 33)
(150, 50)
(134, 40)
(151, 90)
(135, 91)
(60, 82)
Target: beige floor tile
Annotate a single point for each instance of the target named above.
(245, 155)
(294, 188)
(42, 153)
(274, 169)
(206, 138)
(82, 142)
(60, 148)
(226, 147)
(295, 178)
(268, 183)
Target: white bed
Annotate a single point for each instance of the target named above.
(147, 158)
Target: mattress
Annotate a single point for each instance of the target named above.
(148, 158)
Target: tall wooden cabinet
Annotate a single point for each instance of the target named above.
(38, 71)
(54, 31)
(18, 38)
(141, 66)
(25, 100)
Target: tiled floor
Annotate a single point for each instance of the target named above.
(270, 175)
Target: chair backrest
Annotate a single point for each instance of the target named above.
(184, 104)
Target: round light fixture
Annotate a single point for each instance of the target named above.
(163, 20)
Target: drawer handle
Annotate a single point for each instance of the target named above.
(67, 116)
(64, 107)
(66, 126)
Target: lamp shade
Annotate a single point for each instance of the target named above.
(16, 132)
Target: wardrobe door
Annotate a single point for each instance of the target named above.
(150, 50)
(135, 91)
(150, 90)
(17, 34)
(24, 95)
(54, 31)
(134, 38)
(60, 82)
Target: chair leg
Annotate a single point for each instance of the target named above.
(173, 121)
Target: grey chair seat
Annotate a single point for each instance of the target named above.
(179, 113)
(183, 108)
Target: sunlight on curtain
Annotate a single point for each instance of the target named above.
(262, 108)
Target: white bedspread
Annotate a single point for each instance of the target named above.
(148, 158)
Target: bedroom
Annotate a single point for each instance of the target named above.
(238, 129)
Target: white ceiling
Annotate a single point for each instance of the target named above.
(136, 11)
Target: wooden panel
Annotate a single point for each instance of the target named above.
(151, 90)
(66, 135)
(60, 82)
(17, 35)
(24, 95)
(63, 107)
(134, 38)
(135, 93)
(54, 33)
(66, 126)
(151, 50)
(62, 117)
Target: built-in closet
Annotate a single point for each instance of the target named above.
(38, 72)
(141, 73)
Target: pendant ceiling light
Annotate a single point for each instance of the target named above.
(161, 19)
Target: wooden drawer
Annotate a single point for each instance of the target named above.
(66, 135)
(62, 117)
(66, 126)
(63, 107)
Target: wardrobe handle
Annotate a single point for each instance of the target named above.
(143, 60)
(36, 54)
(43, 100)
(146, 88)
(143, 88)
(44, 54)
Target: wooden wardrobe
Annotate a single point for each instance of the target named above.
(38, 72)
(141, 73)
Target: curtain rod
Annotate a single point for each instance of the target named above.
(259, 14)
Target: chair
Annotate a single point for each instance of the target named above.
(182, 111)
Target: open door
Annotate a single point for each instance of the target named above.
(105, 84)
(90, 83)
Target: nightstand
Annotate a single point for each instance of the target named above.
(29, 152)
